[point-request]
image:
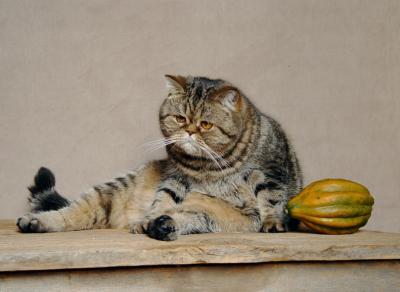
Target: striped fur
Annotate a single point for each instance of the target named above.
(230, 168)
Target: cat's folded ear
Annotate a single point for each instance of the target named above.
(230, 97)
(175, 84)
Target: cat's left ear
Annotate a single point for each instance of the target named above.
(175, 84)
(230, 97)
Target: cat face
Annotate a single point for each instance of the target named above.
(201, 116)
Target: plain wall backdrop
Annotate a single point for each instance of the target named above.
(81, 83)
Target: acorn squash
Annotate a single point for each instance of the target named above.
(332, 206)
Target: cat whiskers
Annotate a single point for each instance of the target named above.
(158, 144)
(218, 157)
(215, 157)
(210, 155)
(161, 143)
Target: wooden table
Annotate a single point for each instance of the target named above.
(104, 260)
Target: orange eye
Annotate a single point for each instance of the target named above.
(206, 125)
(180, 119)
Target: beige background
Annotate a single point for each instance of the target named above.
(81, 83)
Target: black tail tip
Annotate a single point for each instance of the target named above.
(44, 180)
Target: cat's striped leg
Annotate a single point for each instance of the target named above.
(272, 196)
(111, 205)
(91, 211)
(272, 199)
(273, 210)
(200, 213)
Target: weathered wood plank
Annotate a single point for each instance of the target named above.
(115, 248)
(287, 276)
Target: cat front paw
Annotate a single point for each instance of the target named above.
(163, 228)
(30, 224)
(274, 226)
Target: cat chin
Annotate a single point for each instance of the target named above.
(189, 148)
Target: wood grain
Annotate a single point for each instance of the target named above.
(116, 248)
(287, 276)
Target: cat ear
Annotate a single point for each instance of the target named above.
(175, 84)
(230, 97)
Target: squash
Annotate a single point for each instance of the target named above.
(332, 206)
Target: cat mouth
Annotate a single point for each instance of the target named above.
(189, 146)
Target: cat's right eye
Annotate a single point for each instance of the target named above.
(180, 119)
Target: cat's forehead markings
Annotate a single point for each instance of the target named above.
(181, 107)
(189, 108)
(188, 111)
(198, 109)
(199, 113)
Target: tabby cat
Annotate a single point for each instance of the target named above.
(230, 168)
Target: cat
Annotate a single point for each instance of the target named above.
(230, 168)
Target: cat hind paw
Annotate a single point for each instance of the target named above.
(30, 224)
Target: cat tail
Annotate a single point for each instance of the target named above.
(43, 195)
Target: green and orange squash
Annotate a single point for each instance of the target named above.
(332, 206)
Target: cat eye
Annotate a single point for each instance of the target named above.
(180, 119)
(206, 125)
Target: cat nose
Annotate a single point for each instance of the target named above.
(191, 129)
